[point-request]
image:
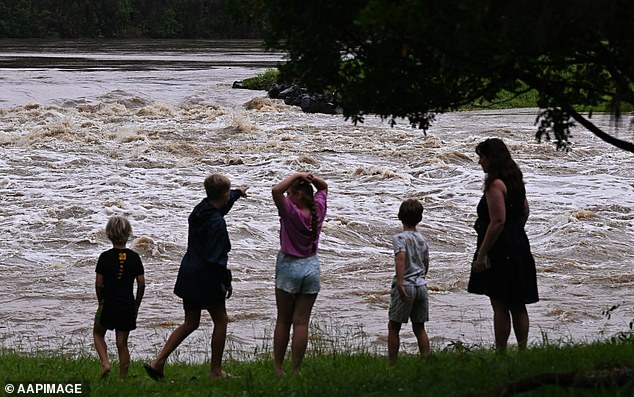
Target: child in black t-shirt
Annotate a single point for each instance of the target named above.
(117, 269)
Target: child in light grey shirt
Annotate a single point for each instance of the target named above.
(409, 298)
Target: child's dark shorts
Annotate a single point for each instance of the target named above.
(120, 318)
(190, 305)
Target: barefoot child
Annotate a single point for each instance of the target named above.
(117, 269)
(409, 297)
(297, 272)
(204, 281)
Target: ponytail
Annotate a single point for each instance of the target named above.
(313, 219)
(306, 188)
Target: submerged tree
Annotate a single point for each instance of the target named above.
(413, 59)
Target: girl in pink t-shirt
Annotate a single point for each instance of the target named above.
(302, 214)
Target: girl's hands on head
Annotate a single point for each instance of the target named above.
(304, 176)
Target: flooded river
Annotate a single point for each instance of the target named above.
(90, 129)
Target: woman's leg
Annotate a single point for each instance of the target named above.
(124, 353)
(192, 320)
(99, 335)
(520, 324)
(218, 315)
(285, 303)
(501, 323)
(301, 319)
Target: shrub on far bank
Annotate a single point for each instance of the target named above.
(263, 81)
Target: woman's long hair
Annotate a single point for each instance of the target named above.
(501, 165)
(306, 189)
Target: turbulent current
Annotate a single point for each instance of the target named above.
(107, 136)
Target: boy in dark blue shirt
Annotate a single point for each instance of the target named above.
(203, 281)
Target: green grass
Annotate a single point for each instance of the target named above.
(504, 100)
(455, 371)
(263, 81)
(508, 100)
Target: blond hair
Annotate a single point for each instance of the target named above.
(216, 185)
(118, 229)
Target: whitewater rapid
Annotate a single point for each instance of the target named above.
(69, 162)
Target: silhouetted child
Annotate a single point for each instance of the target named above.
(204, 281)
(409, 297)
(117, 269)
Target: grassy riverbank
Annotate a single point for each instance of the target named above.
(504, 100)
(599, 369)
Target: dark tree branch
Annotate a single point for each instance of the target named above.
(625, 145)
(545, 88)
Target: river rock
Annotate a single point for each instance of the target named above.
(295, 95)
(310, 102)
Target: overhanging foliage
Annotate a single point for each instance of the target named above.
(412, 59)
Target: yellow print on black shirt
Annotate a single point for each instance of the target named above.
(122, 258)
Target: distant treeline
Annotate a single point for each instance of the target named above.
(71, 19)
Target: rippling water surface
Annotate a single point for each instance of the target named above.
(88, 130)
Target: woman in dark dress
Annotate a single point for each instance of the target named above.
(503, 267)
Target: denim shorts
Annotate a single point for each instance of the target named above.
(297, 275)
(417, 309)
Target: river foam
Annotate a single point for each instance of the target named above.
(69, 163)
